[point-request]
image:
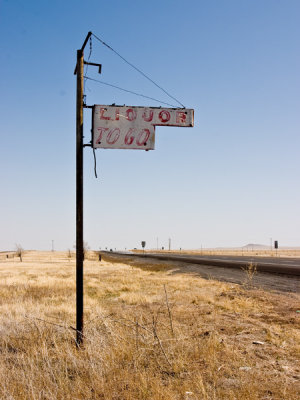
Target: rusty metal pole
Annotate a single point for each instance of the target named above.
(79, 199)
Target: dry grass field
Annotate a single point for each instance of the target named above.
(149, 334)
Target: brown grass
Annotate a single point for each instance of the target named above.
(149, 334)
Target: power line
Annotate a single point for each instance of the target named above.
(138, 70)
(128, 91)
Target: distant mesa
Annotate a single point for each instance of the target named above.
(255, 246)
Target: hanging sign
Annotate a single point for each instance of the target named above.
(126, 127)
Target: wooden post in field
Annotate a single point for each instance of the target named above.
(79, 193)
(79, 199)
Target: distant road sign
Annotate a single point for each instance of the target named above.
(126, 127)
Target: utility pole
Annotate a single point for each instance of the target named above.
(183, 118)
(79, 199)
(79, 192)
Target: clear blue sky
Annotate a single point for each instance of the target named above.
(233, 179)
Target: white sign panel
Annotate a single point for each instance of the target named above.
(125, 127)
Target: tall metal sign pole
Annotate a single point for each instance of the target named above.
(79, 193)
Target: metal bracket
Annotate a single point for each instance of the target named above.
(95, 65)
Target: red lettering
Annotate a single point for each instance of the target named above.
(130, 114)
(117, 114)
(164, 116)
(101, 131)
(148, 117)
(142, 138)
(129, 138)
(102, 116)
(180, 117)
(113, 136)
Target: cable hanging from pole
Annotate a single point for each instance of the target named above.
(138, 70)
(95, 163)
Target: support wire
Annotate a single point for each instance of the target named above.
(138, 70)
(128, 91)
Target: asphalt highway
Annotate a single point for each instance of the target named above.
(277, 265)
